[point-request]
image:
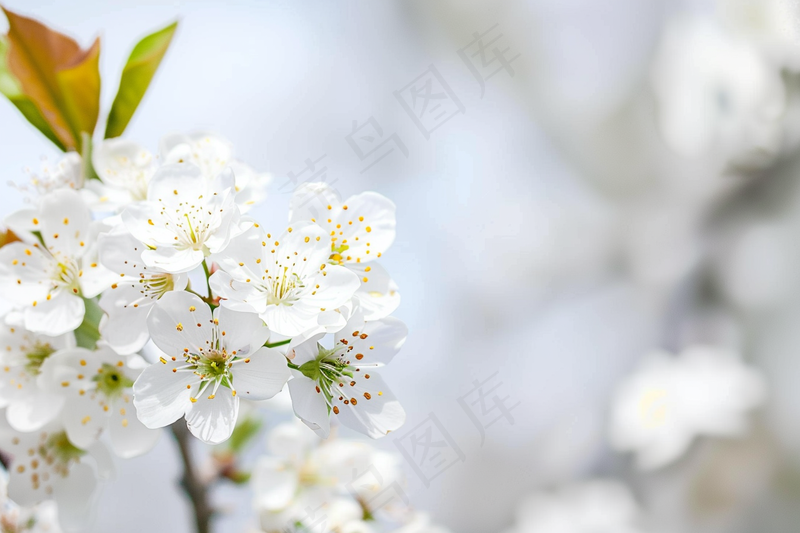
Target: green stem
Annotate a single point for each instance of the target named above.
(208, 283)
(204, 298)
(276, 344)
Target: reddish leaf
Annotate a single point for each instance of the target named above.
(61, 80)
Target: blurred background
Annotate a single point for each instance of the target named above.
(578, 183)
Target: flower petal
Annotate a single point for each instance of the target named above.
(75, 496)
(274, 484)
(35, 411)
(311, 201)
(160, 395)
(180, 320)
(125, 328)
(243, 332)
(129, 437)
(63, 312)
(212, 420)
(84, 420)
(375, 411)
(309, 405)
(373, 343)
(263, 377)
(378, 294)
(65, 220)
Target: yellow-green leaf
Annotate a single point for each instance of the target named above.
(61, 80)
(80, 88)
(11, 89)
(136, 77)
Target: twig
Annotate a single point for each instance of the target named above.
(195, 489)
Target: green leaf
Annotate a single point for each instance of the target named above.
(11, 89)
(136, 77)
(246, 429)
(87, 168)
(88, 333)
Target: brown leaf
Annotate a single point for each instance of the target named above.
(62, 80)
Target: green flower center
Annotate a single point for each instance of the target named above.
(111, 381)
(337, 253)
(36, 356)
(328, 369)
(213, 365)
(58, 447)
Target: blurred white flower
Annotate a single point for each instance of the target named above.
(29, 403)
(45, 465)
(66, 173)
(774, 25)
(716, 94)
(325, 486)
(124, 169)
(97, 387)
(213, 154)
(596, 506)
(361, 229)
(670, 400)
(40, 518)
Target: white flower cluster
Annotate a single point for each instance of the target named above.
(307, 485)
(158, 249)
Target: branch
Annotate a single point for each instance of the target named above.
(193, 486)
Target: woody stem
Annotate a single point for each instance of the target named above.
(192, 485)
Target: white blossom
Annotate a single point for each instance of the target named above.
(343, 380)
(670, 400)
(29, 403)
(213, 154)
(715, 92)
(125, 169)
(185, 218)
(211, 361)
(287, 280)
(49, 280)
(131, 297)
(360, 230)
(46, 465)
(97, 388)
